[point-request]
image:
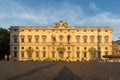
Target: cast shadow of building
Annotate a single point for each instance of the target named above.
(66, 74)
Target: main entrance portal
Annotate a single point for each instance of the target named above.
(61, 49)
(61, 55)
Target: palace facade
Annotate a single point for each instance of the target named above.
(60, 42)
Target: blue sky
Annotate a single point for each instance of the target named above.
(47, 12)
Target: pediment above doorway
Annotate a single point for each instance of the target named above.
(61, 24)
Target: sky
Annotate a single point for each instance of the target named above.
(74, 12)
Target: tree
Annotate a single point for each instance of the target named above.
(4, 42)
(92, 52)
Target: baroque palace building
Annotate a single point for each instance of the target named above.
(60, 42)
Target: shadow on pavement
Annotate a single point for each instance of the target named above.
(66, 74)
(28, 73)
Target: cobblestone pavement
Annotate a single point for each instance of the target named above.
(31, 70)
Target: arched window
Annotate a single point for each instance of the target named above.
(85, 39)
(22, 38)
(77, 38)
(92, 39)
(29, 38)
(44, 38)
(106, 39)
(36, 38)
(15, 38)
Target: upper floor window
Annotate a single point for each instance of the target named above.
(92, 30)
(22, 38)
(106, 39)
(92, 39)
(44, 38)
(99, 30)
(84, 30)
(29, 38)
(77, 38)
(36, 38)
(15, 29)
(15, 38)
(77, 30)
(85, 39)
(106, 30)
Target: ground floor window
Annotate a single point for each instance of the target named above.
(85, 55)
(37, 54)
(15, 54)
(77, 54)
(22, 54)
(53, 54)
(44, 54)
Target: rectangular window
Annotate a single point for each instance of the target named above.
(106, 48)
(106, 52)
(78, 54)
(85, 54)
(78, 48)
(53, 54)
(22, 47)
(44, 48)
(36, 39)
(15, 47)
(15, 54)
(85, 48)
(44, 39)
(106, 39)
(53, 48)
(22, 40)
(92, 39)
(44, 54)
(99, 54)
(37, 48)
(29, 39)
(78, 39)
(15, 40)
(85, 39)
(68, 48)
(22, 54)
(37, 54)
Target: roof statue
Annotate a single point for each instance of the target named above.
(61, 24)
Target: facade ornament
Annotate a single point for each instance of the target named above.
(61, 24)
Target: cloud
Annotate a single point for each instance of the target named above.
(93, 6)
(18, 14)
